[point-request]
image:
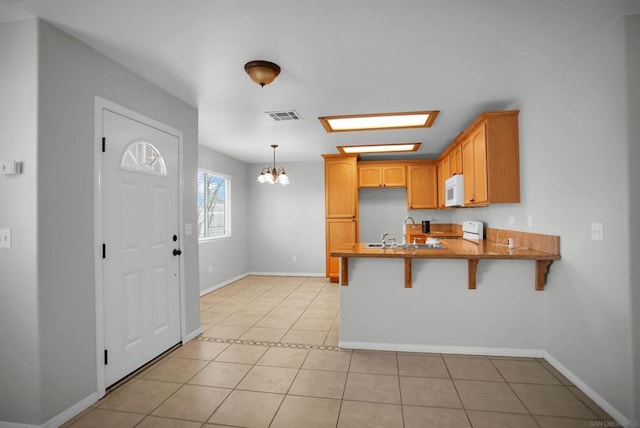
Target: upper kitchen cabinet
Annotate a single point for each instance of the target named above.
(474, 158)
(341, 186)
(388, 174)
(491, 159)
(422, 185)
(449, 164)
(455, 160)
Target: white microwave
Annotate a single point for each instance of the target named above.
(454, 191)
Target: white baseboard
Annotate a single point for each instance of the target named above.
(222, 284)
(313, 275)
(16, 425)
(606, 406)
(190, 336)
(439, 349)
(59, 419)
(63, 417)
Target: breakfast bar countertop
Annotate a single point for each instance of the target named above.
(543, 249)
(453, 249)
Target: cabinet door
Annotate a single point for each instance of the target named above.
(394, 176)
(339, 232)
(455, 161)
(446, 167)
(474, 162)
(468, 169)
(422, 190)
(440, 187)
(480, 165)
(369, 176)
(341, 190)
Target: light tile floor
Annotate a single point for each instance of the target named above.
(268, 358)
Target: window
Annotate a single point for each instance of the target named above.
(141, 156)
(214, 205)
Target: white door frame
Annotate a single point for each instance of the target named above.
(100, 104)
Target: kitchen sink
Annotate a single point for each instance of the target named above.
(373, 245)
(407, 246)
(426, 246)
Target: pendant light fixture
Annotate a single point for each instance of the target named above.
(262, 72)
(272, 175)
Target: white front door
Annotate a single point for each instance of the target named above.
(140, 197)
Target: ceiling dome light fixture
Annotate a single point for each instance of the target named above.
(262, 72)
(273, 175)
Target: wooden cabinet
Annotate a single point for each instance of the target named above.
(443, 168)
(490, 159)
(455, 160)
(422, 185)
(382, 175)
(449, 164)
(338, 231)
(474, 156)
(341, 207)
(341, 187)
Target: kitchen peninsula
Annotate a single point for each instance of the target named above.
(434, 311)
(544, 249)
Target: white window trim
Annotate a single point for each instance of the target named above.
(227, 207)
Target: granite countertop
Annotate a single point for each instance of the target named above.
(453, 249)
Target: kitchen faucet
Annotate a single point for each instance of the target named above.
(404, 228)
(383, 238)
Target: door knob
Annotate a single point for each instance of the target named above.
(177, 252)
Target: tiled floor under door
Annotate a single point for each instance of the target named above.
(268, 357)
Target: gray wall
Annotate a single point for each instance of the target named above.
(70, 75)
(287, 221)
(574, 146)
(503, 316)
(579, 145)
(270, 224)
(633, 113)
(223, 259)
(19, 366)
(384, 210)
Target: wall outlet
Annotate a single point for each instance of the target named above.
(210, 270)
(597, 232)
(511, 220)
(5, 238)
(529, 221)
(294, 258)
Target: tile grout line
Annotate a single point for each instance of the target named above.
(514, 393)
(455, 387)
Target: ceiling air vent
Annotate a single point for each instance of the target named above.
(280, 116)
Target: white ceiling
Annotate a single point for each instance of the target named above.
(461, 57)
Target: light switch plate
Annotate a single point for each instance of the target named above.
(8, 167)
(5, 238)
(188, 228)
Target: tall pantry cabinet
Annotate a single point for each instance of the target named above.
(341, 206)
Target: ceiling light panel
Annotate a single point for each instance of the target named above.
(380, 148)
(378, 121)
